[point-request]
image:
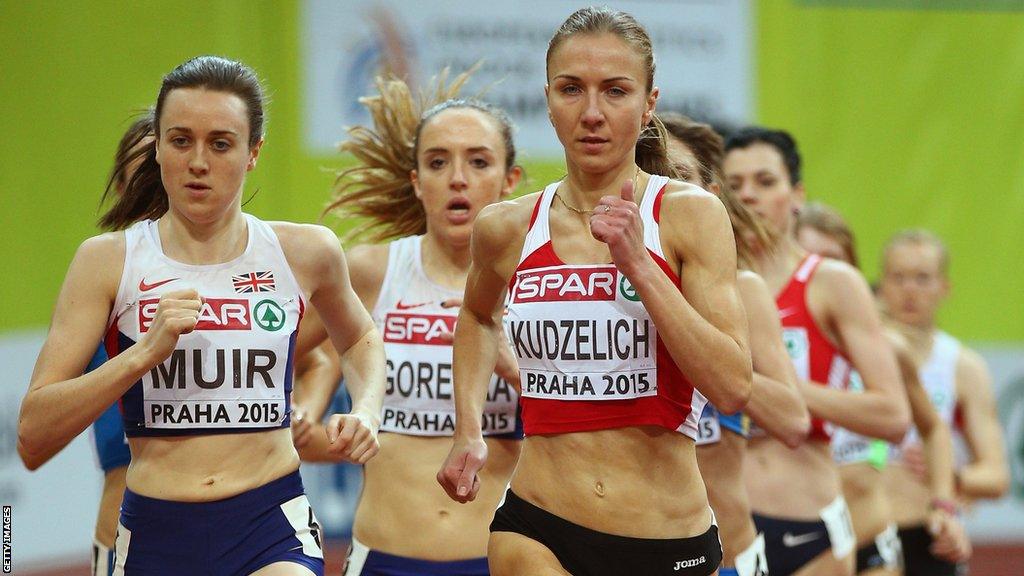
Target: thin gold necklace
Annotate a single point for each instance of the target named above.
(591, 211)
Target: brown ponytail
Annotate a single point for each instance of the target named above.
(652, 150)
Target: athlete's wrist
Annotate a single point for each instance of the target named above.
(641, 270)
(369, 417)
(138, 360)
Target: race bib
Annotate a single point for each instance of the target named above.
(709, 428)
(836, 517)
(753, 561)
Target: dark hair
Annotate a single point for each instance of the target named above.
(132, 153)
(651, 153)
(705, 143)
(829, 222)
(707, 147)
(378, 189)
(144, 196)
(778, 139)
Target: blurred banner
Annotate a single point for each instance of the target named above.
(55, 507)
(702, 52)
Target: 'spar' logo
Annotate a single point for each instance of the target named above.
(215, 314)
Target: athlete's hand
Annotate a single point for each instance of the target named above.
(176, 314)
(459, 475)
(302, 428)
(950, 541)
(915, 462)
(353, 436)
(616, 222)
(507, 367)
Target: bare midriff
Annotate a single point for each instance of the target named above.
(638, 482)
(721, 465)
(405, 512)
(210, 467)
(790, 483)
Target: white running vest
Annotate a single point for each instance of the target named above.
(419, 399)
(938, 376)
(233, 373)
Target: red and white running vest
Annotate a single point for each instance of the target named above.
(812, 354)
(589, 353)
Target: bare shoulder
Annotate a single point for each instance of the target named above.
(94, 258)
(691, 202)
(972, 365)
(367, 266)
(368, 259)
(500, 222)
(291, 233)
(839, 278)
(750, 283)
(305, 243)
(104, 245)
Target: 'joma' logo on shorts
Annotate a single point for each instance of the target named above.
(690, 563)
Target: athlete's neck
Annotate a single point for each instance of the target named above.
(777, 263)
(444, 263)
(920, 338)
(203, 243)
(583, 190)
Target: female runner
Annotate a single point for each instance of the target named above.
(827, 315)
(775, 403)
(618, 343)
(862, 460)
(422, 178)
(201, 303)
(912, 286)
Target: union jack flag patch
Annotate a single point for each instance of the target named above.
(254, 282)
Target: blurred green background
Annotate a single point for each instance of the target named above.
(905, 117)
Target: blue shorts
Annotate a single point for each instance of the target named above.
(363, 561)
(231, 537)
(792, 544)
(108, 430)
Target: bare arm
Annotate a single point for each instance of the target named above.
(319, 368)
(477, 341)
(988, 475)
(701, 322)
(935, 436)
(317, 374)
(881, 410)
(61, 402)
(317, 257)
(775, 402)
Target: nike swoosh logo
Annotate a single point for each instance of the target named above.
(787, 312)
(143, 287)
(401, 306)
(791, 541)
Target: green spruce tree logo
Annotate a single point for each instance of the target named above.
(268, 315)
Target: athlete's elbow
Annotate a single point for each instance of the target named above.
(999, 485)
(895, 427)
(735, 397)
(28, 450)
(798, 431)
